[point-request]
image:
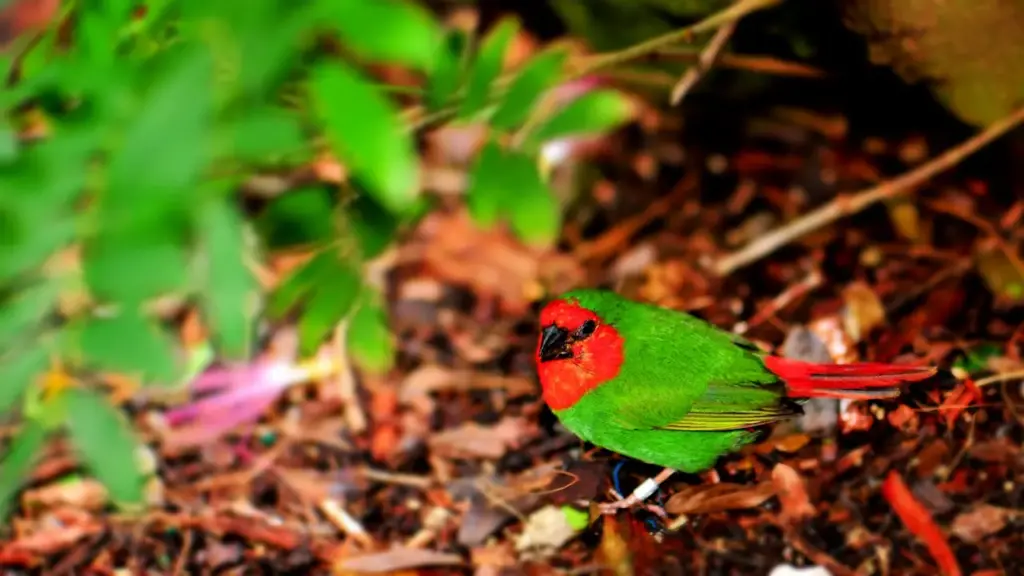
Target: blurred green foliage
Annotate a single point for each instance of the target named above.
(127, 137)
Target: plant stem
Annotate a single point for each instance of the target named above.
(716, 20)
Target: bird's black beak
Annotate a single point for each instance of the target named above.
(554, 342)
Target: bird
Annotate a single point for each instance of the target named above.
(670, 389)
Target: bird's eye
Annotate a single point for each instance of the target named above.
(585, 329)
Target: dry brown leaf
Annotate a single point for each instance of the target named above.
(792, 493)
(473, 440)
(399, 558)
(84, 493)
(931, 457)
(710, 498)
(491, 262)
(433, 378)
(614, 550)
(1003, 274)
(863, 311)
(980, 521)
(791, 443)
(995, 451)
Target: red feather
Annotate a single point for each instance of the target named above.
(862, 381)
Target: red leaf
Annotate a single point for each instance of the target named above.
(920, 522)
(958, 400)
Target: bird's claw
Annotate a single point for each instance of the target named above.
(629, 502)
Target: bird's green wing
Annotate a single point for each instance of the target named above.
(722, 407)
(712, 380)
(682, 373)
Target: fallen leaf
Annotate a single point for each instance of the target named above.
(792, 493)
(855, 417)
(473, 440)
(491, 262)
(544, 532)
(863, 311)
(919, 521)
(497, 555)
(904, 418)
(791, 443)
(995, 451)
(931, 457)
(980, 521)
(957, 401)
(399, 558)
(85, 493)
(709, 498)
(614, 551)
(1003, 274)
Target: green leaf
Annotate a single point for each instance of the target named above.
(302, 216)
(121, 267)
(374, 226)
(369, 338)
(534, 212)
(487, 67)
(387, 30)
(368, 135)
(18, 462)
(301, 282)
(230, 288)
(266, 133)
(166, 146)
(266, 57)
(8, 143)
(20, 316)
(129, 343)
(17, 372)
(447, 75)
(593, 113)
(486, 192)
(335, 294)
(537, 76)
(35, 219)
(106, 444)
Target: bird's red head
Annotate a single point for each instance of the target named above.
(576, 352)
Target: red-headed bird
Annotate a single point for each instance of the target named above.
(667, 388)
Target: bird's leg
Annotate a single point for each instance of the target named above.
(641, 493)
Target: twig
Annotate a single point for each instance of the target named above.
(385, 477)
(344, 381)
(1006, 377)
(705, 61)
(750, 63)
(846, 205)
(713, 22)
(417, 117)
(343, 521)
(791, 293)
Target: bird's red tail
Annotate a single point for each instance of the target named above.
(863, 381)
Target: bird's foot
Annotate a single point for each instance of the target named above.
(626, 503)
(637, 497)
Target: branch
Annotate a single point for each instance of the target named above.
(704, 63)
(846, 205)
(713, 22)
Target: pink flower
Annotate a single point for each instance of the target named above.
(236, 395)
